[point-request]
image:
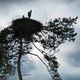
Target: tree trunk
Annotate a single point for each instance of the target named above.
(19, 61)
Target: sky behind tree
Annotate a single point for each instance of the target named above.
(43, 11)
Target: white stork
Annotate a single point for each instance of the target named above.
(29, 14)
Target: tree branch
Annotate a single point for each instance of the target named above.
(39, 49)
(43, 35)
(42, 62)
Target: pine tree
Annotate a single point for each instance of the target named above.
(16, 40)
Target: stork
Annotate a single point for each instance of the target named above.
(29, 14)
(23, 16)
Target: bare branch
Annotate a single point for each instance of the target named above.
(43, 35)
(24, 61)
(39, 49)
(42, 62)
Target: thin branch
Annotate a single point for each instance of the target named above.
(43, 51)
(43, 35)
(40, 49)
(42, 62)
(37, 48)
(24, 61)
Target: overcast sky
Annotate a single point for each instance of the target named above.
(43, 11)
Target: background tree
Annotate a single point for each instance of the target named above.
(16, 40)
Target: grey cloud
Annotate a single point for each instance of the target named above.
(75, 3)
(7, 3)
(15, 0)
(69, 77)
(7, 6)
(71, 1)
(74, 58)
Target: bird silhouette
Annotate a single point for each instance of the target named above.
(29, 14)
(23, 16)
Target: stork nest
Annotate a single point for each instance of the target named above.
(25, 27)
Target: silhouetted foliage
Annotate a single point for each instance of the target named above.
(15, 41)
(5, 64)
(52, 36)
(57, 32)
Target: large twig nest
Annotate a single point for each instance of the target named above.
(25, 27)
